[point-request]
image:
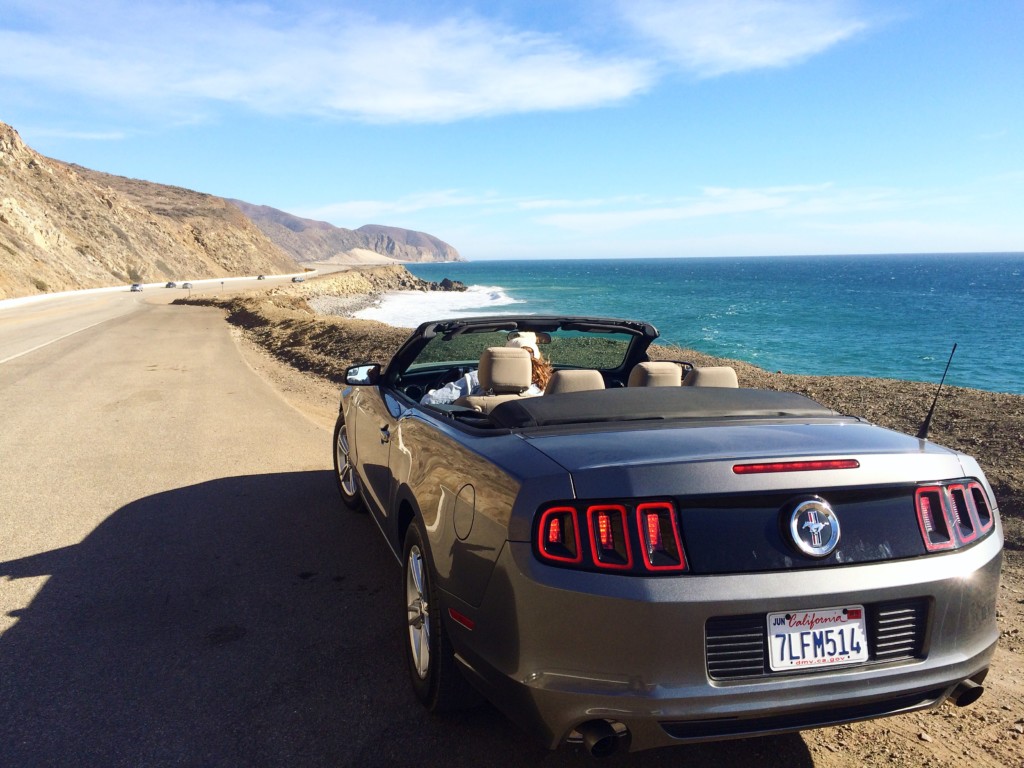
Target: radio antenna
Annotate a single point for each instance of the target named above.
(922, 433)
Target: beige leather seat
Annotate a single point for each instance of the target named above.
(574, 381)
(656, 374)
(711, 376)
(505, 373)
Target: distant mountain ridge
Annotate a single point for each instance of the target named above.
(309, 240)
(63, 227)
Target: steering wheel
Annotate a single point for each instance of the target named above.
(452, 374)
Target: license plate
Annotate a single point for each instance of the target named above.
(824, 637)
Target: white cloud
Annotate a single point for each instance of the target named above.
(168, 56)
(365, 211)
(715, 37)
(805, 203)
(714, 202)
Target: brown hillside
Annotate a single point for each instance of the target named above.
(308, 240)
(63, 227)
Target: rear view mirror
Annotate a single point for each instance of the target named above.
(362, 375)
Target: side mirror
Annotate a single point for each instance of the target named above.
(362, 375)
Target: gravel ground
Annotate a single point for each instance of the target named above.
(304, 354)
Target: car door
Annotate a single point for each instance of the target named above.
(374, 425)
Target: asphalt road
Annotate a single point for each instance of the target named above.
(179, 584)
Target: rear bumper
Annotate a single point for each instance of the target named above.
(554, 648)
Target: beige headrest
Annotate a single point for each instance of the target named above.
(574, 381)
(656, 374)
(505, 369)
(711, 376)
(529, 343)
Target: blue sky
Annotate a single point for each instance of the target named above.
(604, 128)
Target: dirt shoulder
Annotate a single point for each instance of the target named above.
(304, 355)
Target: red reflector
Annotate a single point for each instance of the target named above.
(461, 618)
(794, 466)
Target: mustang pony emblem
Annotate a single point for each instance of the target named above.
(814, 527)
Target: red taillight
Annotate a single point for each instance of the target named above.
(659, 533)
(560, 535)
(614, 531)
(794, 466)
(981, 506)
(960, 514)
(933, 518)
(609, 536)
(952, 514)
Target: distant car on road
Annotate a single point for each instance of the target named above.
(171, 284)
(187, 285)
(136, 287)
(647, 554)
(261, 277)
(298, 279)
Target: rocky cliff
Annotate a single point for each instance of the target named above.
(308, 240)
(63, 227)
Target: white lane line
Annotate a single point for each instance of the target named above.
(54, 341)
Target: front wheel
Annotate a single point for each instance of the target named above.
(344, 470)
(436, 679)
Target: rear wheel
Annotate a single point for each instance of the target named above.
(432, 668)
(344, 471)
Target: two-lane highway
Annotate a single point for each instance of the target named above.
(178, 582)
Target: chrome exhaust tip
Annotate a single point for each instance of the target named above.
(600, 738)
(966, 693)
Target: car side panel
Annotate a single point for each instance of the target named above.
(451, 480)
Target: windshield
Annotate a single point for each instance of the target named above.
(563, 349)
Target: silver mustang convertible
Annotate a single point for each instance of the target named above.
(631, 554)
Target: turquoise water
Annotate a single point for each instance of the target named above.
(884, 316)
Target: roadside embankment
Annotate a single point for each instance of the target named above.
(986, 425)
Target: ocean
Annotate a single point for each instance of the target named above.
(893, 316)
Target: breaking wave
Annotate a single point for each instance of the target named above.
(407, 309)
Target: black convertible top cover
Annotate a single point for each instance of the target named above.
(649, 403)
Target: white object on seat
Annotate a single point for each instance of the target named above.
(711, 376)
(505, 373)
(656, 374)
(571, 380)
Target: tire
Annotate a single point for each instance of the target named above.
(344, 471)
(435, 676)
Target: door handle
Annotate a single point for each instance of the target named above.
(385, 435)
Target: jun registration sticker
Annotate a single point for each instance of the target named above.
(824, 637)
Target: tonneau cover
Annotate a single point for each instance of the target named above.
(646, 403)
